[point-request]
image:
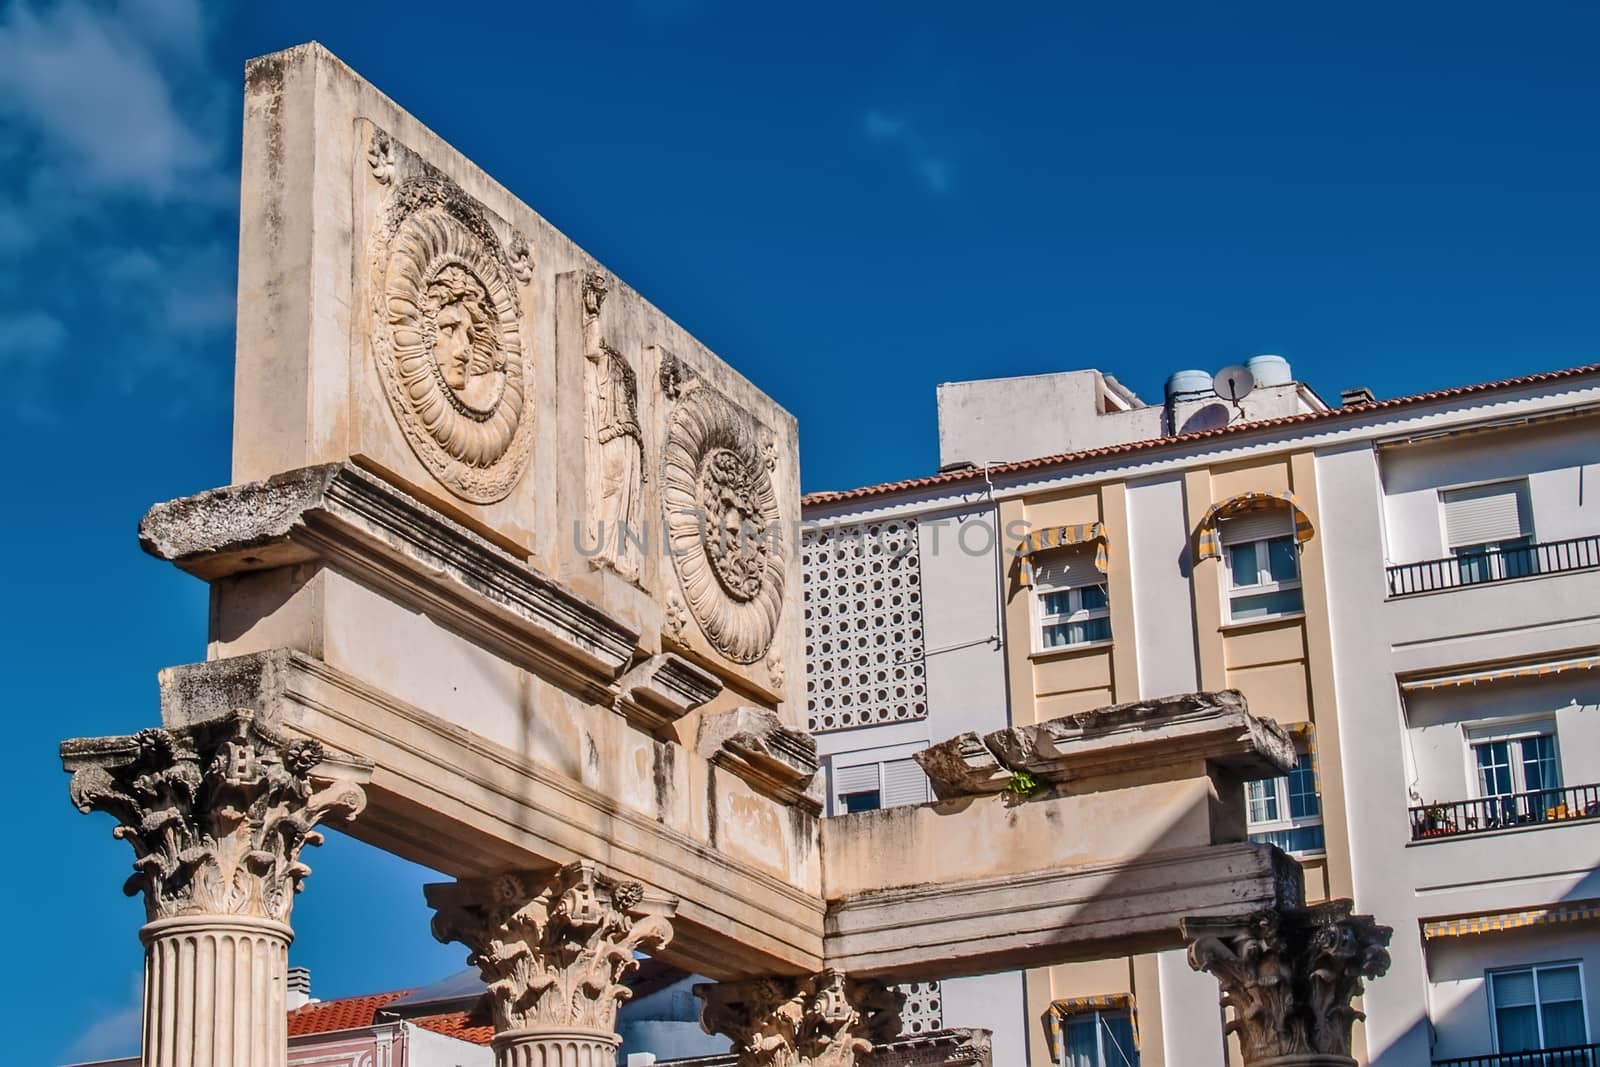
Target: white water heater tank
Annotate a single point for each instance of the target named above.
(1269, 370)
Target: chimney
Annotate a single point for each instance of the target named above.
(299, 988)
(1355, 397)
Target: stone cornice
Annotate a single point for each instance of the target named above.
(772, 758)
(663, 689)
(414, 553)
(1216, 728)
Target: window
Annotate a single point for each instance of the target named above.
(1262, 566)
(1287, 811)
(1488, 531)
(1538, 1007)
(1070, 602)
(1515, 769)
(871, 786)
(1098, 1039)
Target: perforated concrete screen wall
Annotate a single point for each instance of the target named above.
(924, 1009)
(863, 625)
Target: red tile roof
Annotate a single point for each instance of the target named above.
(457, 1024)
(968, 474)
(355, 1013)
(347, 1013)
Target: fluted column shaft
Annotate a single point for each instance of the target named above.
(214, 992)
(551, 1047)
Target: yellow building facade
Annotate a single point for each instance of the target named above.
(1282, 663)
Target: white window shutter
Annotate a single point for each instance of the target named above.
(1484, 513)
(903, 783)
(1257, 526)
(862, 778)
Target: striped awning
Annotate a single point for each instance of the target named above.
(1060, 1010)
(1208, 536)
(1555, 915)
(1500, 674)
(1060, 537)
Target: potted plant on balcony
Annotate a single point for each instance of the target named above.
(1436, 821)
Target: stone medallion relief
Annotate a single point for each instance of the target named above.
(723, 525)
(615, 446)
(446, 321)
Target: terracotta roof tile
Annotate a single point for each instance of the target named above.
(968, 474)
(347, 1013)
(457, 1024)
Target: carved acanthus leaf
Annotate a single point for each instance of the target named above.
(1290, 975)
(553, 948)
(822, 1020)
(216, 812)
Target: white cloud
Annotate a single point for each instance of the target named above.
(116, 204)
(896, 133)
(91, 90)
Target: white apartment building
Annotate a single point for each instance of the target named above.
(1435, 641)
(1467, 649)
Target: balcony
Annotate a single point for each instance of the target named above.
(1494, 564)
(1545, 807)
(1575, 1056)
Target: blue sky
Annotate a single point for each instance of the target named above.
(849, 202)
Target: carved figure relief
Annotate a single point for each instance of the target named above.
(723, 526)
(446, 321)
(615, 462)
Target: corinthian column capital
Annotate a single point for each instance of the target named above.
(553, 948)
(1290, 976)
(820, 1020)
(217, 811)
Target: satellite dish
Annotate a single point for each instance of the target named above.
(1233, 383)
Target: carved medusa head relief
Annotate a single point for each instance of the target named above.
(446, 328)
(723, 524)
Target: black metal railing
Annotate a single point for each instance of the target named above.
(1572, 1056)
(1541, 807)
(1495, 563)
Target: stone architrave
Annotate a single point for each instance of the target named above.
(553, 949)
(217, 813)
(615, 455)
(821, 1020)
(1290, 976)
